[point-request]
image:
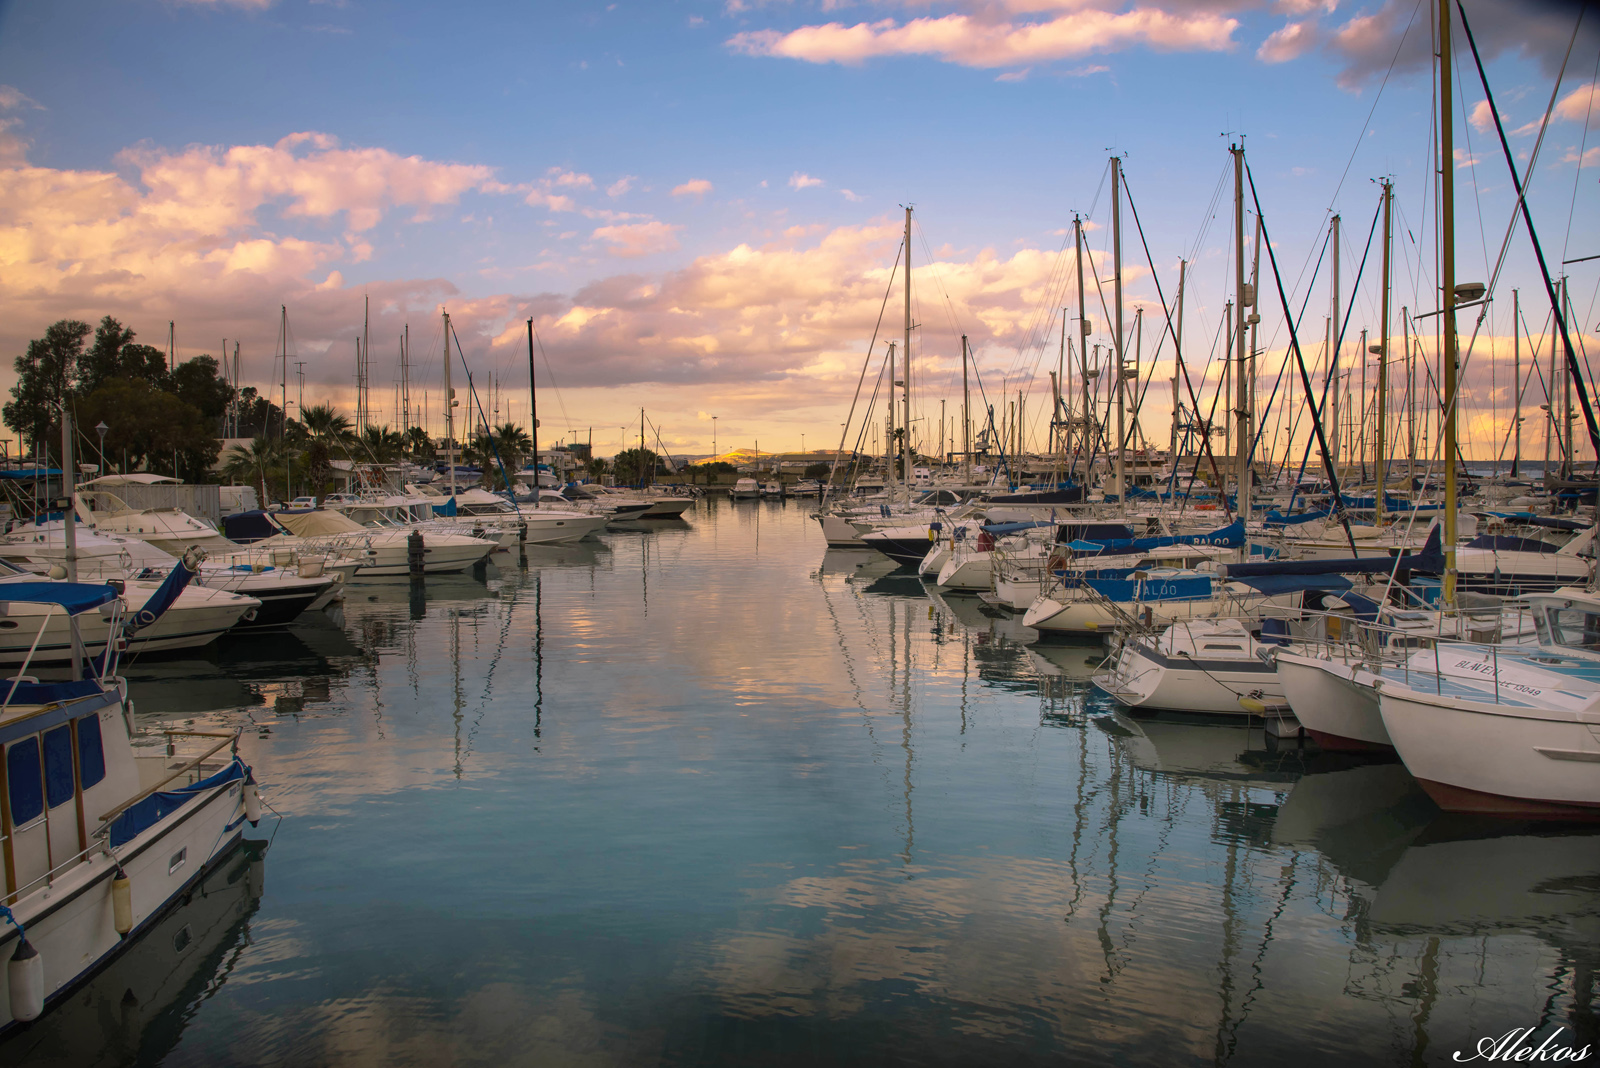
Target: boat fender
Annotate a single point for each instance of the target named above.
(122, 902)
(252, 800)
(25, 972)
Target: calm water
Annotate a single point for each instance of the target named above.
(709, 795)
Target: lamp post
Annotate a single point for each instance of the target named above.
(101, 428)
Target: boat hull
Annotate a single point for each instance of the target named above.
(1150, 681)
(1500, 760)
(1341, 714)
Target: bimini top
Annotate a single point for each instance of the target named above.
(75, 597)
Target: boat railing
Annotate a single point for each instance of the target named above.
(101, 834)
(188, 766)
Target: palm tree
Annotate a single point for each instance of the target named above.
(324, 423)
(418, 444)
(381, 444)
(507, 443)
(249, 464)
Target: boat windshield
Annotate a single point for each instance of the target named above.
(1572, 627)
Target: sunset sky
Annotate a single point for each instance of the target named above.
(699, 203)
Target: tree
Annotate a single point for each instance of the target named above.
(252, 464)
(45, 377)
(818, 471)
(418, 445)
(632, 465)
(115, 355)
(152, 427)
(507, 444)
(597, 467)
(324, 423)
(258, 416)
(381, 445)
(197, 384)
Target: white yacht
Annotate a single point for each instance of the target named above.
(1506, 731)
(101, 839)
(746, 489)
(380, 552)
(1204, 665)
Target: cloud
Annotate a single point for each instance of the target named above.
(802, 181)
(1589, 158)
(12, 99)
(568, 179)
(854, 198)
(218, 189)
(621, 185)
(1482, 116)
(1013, 75)
(1290, 42)
(694, 187)
(638, 239)
(979, 40)
(1580, 105)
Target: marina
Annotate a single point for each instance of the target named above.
(558, 809)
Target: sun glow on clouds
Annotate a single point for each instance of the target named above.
(207, 236)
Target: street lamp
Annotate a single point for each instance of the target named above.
(101, 428)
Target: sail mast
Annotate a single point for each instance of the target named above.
(533, 415)
(1083, 352)
(905, 361)
(1116, 288)
(1380, 465)
(1447, 283)
(1246, 299)
(449, 410)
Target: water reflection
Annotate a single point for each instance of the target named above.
(708, 793)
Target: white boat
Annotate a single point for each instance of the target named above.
(1204, 665)
(748, 489)
(100, 839)
(381, 552)
(1506, 731)
(198, 617)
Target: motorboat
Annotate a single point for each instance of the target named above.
(1202, 665)
(1506, 730)
(197, 617)
(746, 489)
(380, 552)
(102, 838)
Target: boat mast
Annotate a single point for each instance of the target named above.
(966, 412)
(1116, 288)
(449, 410)
(533, 408)
(1084, 330)
(1516, 381)
(363, 359)
(1330, 384)
(889, 438)
(905, 428)
(1447, 282)
(283, 330)
(1380, 466)
(1177, 366)
(1241, 448)
(405, 381)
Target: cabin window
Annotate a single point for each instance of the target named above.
(91, 757)
(1214, 645)
(58, 766)
(22, 772)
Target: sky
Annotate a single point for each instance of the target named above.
(700, 203)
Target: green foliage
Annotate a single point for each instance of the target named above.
(260, 464)
(381, 445)
(633, 466)
(597, 467)
(115, 355)
(818, 471)
(324, 423)
(45, 378)
(419, 446)
(258, 416)
(196, 383)
(148, 425)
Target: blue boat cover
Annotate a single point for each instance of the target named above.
(1507, 543)
(1155, 589)
(1272, 585)
(1276, 519)
(246, 527)
(162, 599)
(47, 693)
(1430, 560)
(153, 809)
(75, 597)
(448, 508)
(1228, 537)
(29, 474)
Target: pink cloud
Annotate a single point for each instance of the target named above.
(802, 181)
(638, 239)
(978, 42)
(694, 187)
(1290, 42)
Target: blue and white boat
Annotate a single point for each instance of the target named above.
(97, 840)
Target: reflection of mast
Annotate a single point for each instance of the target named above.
(455, 687)
(905, 719)
(538, 657)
